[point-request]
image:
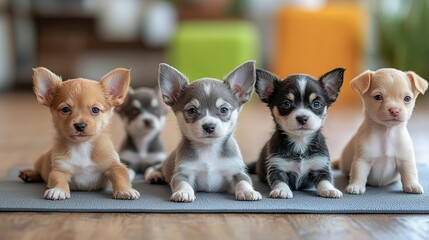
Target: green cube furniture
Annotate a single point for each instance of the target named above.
(212, 48)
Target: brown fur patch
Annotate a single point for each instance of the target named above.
(312, 97)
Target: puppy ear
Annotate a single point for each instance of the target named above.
(241, 81)
(171, 83)
(264, 85)
(45, 84)
(420, 84)
(119, 109)
(332, 82)
(162, 105)
(115, 85)
(362, 82)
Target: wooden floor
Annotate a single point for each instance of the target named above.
(26, 131)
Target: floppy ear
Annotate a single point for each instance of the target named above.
(171, 83)
(264, 85)
(332, 82)
(241, 81)
(420, 84)
(362, 82)
(115, 85)
(45, 85)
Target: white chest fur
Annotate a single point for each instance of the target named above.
(299, 167)
(85, 176)
(210, 171)
(386, 150)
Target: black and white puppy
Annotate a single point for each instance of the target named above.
(143, 113)
(207, 158)
(296, 156)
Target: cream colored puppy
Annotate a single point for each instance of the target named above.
(381, 151)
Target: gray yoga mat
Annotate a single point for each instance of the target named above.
(17, 196)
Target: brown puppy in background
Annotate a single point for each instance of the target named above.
(381, 152)
(83, 157)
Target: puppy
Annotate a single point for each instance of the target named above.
(83, 157)
(381, 151)
(296, 156)
(143, 113)
(207, 158)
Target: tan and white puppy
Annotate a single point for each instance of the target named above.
(381, 152)
(83, 157)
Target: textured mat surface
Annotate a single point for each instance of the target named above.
(18, 196)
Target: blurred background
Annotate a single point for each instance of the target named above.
(208, 38)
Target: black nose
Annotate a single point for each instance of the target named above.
(147, 122)
(302, 119)
(209, 128)
(80, 127)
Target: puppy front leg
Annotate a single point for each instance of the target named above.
(358, 177)
(279, 183)
(121, 184)
(409, 177)
(243, 189)
(325, 189)
(58, 186)
(183, 191)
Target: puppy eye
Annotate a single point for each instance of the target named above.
(316, 104)
(286, 104)
(407, 99)
(192, 111)
(135, 111)
(95, 110)
(224, 110)
(65, 110)
(378, 97)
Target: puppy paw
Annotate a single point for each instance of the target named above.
(183, 196)
(130, 194)
(154, 177)
(30, 175)
(281, 193)
(248, 195)
(415, 188)
(56, 194)
(329, 193)
(355, 189)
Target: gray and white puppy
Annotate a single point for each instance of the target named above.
(207, 158)
(143, 113)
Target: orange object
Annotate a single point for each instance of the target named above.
(316, 41)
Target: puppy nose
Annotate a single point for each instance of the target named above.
(80, 127)
(209, 128)
(394, 111)
(147, 122)
(302, 119)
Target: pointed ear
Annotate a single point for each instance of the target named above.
(332, 82)
(419, 84)
(241, 81)
(45, 85)
(162, 105)
(264, 85)
(171, 83)
(362, 82)
(115, 85)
